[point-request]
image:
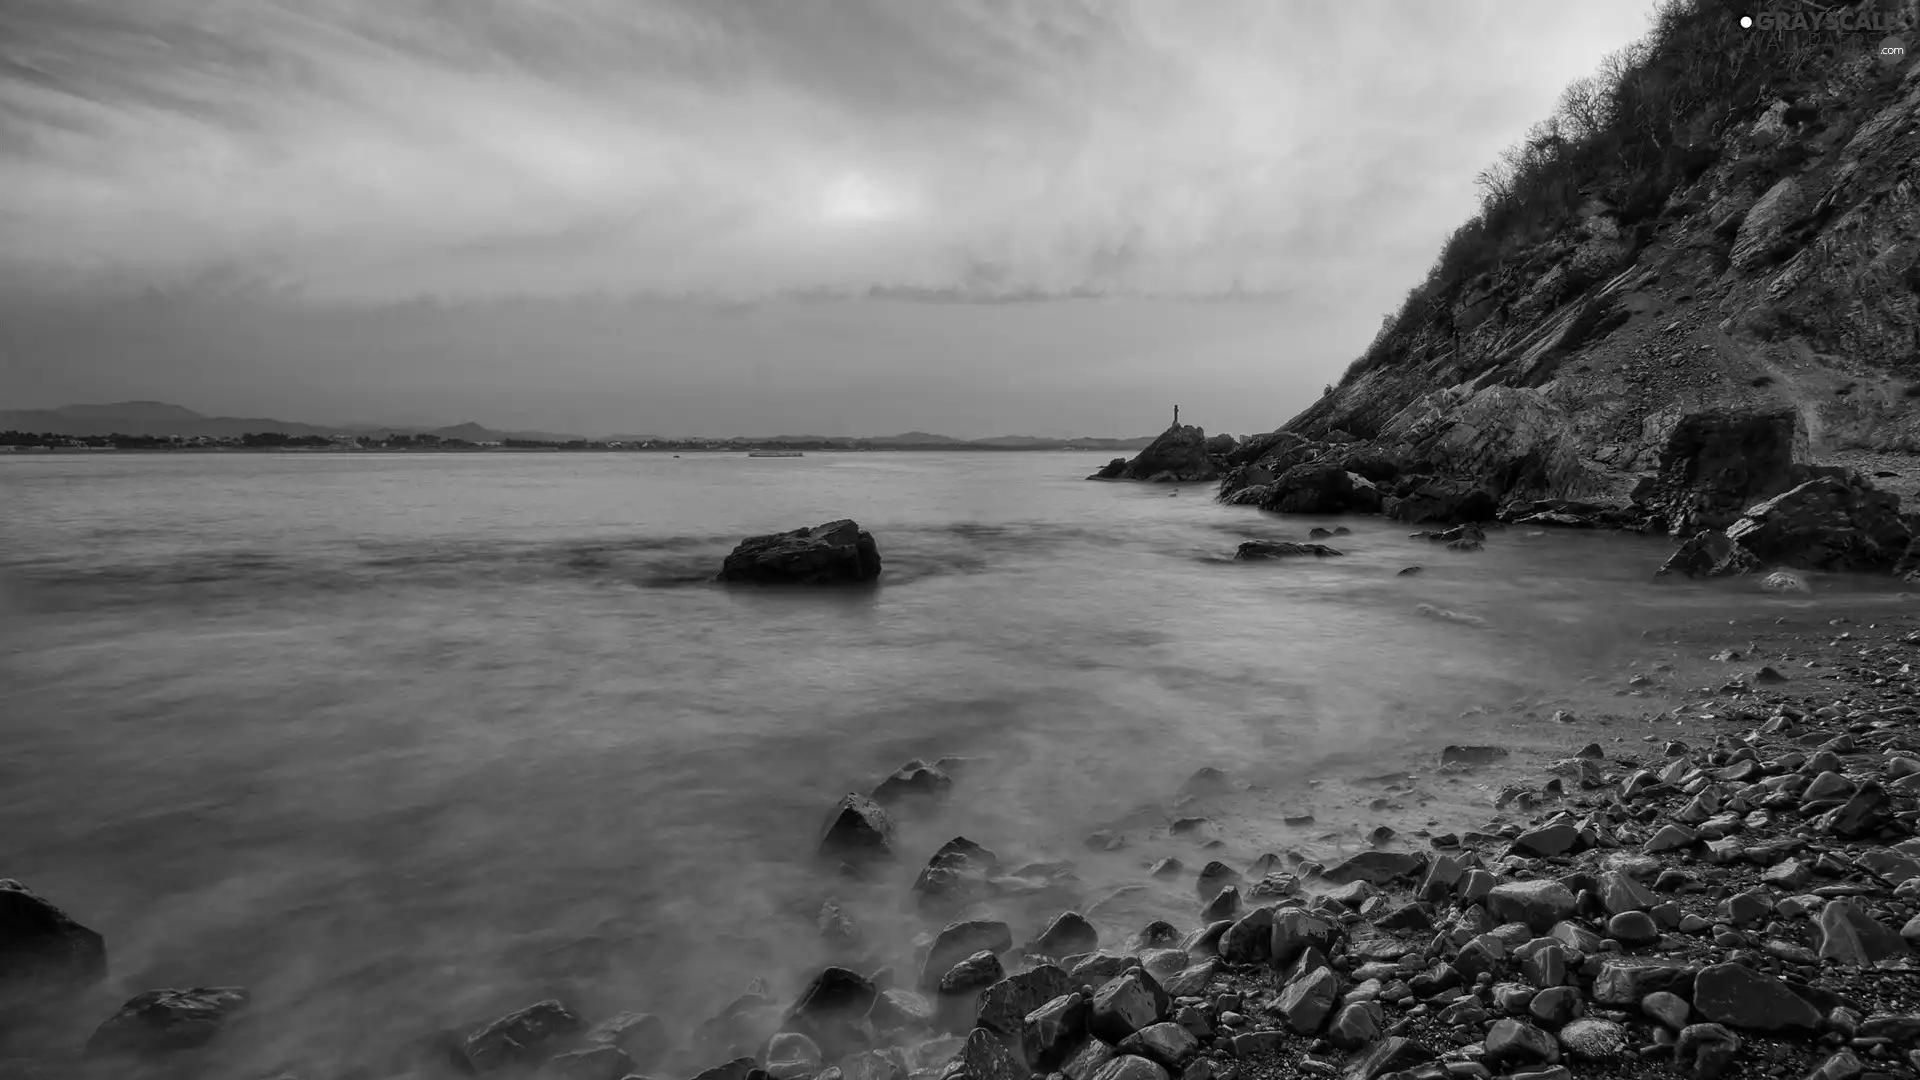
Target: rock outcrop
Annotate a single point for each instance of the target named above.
(44, 953)
(837, 553)
(1181, 453)
(1829, 524)
(1666, 355)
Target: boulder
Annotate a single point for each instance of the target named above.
(1068, 935)
(838, 552)
(957, 874)
(857, 829)
(1177, 454)
(1005, 1005)
(1826, 524)
(1280, 549)
(1377, 867)
(1740, 997)
(1050, 1033)
(1710, 554)
(161, 1021)
(43, 951)
(960, 940)
(915, 779)
(1705, 1051)
(1717, 463)
(1539, 904)
(1848, 935)
(1125, 1005)
(831, 1008)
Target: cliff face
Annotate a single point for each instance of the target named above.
(1764, 318)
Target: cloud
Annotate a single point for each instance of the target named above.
(380, 149)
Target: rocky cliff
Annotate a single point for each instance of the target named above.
(1670, 320)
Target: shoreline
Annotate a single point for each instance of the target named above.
(1364, 923)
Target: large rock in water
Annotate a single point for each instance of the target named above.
(1710, 554)
(43, 952)
(161, 1021)
(1826, 524)
(1180, 453)
(839, 552)
(857, 829)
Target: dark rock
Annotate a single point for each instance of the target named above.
(160, 1021)
(1424, 500)
(1307, 1001)
(1864, 814)
(1539, 904)
(986, 1057)
(896, 1009)
(1069, 933)
(915, 779)
(1623, 983)
(1387, 1056)
(1131, 1067)
(1165, 1044)
(1004, 1005)
(1846, 934)
(1710, 554)
(960, 940)
(1214, 877)
(1705, 1051)
(1125, 1005)
(1051, 1032)
(1740, 997)
(1295, 931)
(43, 952)
(1378, 867)
(857, 829)
(1250, 940)
(1280, 549)
(1546, 841)
(1311, 489)
(839, 552)
(830, 1009)
(1510, 1041)
(1716, 464)
(957, 874)
(1177, 454)
(1827, 523)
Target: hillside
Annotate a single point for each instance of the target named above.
(1703, 270)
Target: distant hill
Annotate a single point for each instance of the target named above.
(156, 418)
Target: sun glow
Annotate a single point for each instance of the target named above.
(856, 199)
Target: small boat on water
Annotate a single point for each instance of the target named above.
(775, 453)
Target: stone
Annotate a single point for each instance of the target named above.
(838, 552)
(1705, 1051)
(1389, 1055)
(1593, 1040)
(957, 941)
(160, 1021)
(1511, 1042)
(1546, 841)
(1539, 904)
(1633, 928)
(1848, 935)
(1254, 550)
(957, 874)
(1168, 1045)
(1740, 997)
(1357, 1024)
(915, 779)
(1295, 931)
(1005, 1005)
(1668, 1008)
(1050, 1033)
(1069, 933)
(1308, 1000)
(895, 1008)
(1377, 867)
(1131, 1067)
(1250, 940)
(1125, 1005)
(44, 953)
(1177, 455)
(986, 1057)
(1827, 523)
(1555, 1005)
(857, 829)
(1710, 554)
(1215, 877)
(790, 1056)
(1086, 1062)
(1620, 893)
(1623, 983)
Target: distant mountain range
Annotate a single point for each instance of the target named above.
(159, 419)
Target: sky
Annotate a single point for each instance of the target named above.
(721, 217)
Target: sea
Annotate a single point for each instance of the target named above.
(387, 738)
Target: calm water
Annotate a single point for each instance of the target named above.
(365, 733)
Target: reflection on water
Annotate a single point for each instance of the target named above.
(371, 735)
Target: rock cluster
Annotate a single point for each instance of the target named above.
(1180, 453)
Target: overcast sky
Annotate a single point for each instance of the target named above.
(975, 217)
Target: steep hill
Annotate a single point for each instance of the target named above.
(1703, 271)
